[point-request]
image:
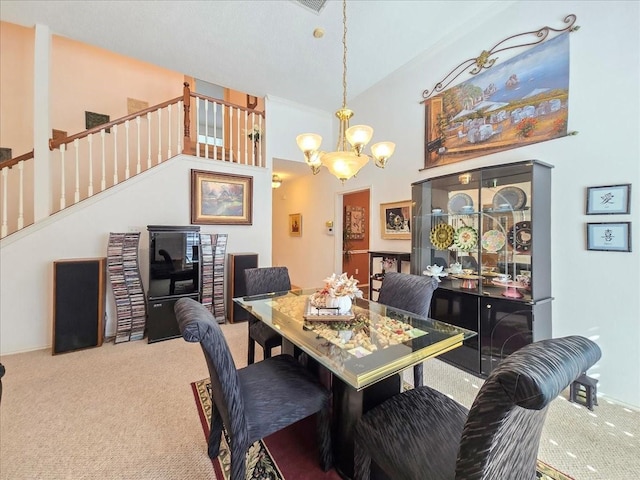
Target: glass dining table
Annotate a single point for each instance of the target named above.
(359, 356)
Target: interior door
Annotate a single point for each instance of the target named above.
(355, 236)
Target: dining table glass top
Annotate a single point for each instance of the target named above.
(377, 342)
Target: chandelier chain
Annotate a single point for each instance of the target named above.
(344, 56)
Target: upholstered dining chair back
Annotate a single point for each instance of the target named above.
(266, 279)
(196, 326)
(258, 281)
(503, 429)
(411, 293)
(422, 433)
(407, 292)
(255, 401)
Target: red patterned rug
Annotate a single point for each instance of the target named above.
(291, 453)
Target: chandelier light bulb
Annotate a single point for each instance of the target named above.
(308, 142)
(382, 151)
(359, 135)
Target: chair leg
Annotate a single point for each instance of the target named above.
(323, 419)
(215, 433)
(251, 351)
(266, 352)
(238, 466)
(418, 371)
(361, 462)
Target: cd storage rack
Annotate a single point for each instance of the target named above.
(126, 283)
(213, 247)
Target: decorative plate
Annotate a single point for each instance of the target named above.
(458, 201)
(520, 237)
(493, 240)
(466, 238)
(442, 236)
(513, 196)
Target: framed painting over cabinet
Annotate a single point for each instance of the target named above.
(220, 198)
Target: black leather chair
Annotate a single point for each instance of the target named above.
(422, 433)
(259, 281)
(255, 401)
(411, 293)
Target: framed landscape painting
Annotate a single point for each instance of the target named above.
(523, 101)
(220, 198)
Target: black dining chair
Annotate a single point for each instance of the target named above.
(422, 433)
(257, 400)
(411, 293)
(259, 281)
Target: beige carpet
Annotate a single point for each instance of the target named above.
(126, 411)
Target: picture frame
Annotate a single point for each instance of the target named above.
(354, 222)
(93, 119)
(395, 220)
(609, 199)
(221, 198)
(295, 224)
(609, 236)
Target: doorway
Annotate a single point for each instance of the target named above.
(355, 236)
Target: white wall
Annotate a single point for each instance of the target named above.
(596, 293)
(160, 196)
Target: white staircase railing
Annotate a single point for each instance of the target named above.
(90, 162)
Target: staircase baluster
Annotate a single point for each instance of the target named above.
(76, 193)
(3, 229)
(63, 200)
(159, 136)
(90, 143)
(104, 162)
(138, 165)
(215, 130)
(179, 138)
(127, 172)
(148, 140)
(21, 196)
(224, 143)
(115, 155)
(238, 136)
(246, 137)
(168, 132)
(260, 162)
(206, 130)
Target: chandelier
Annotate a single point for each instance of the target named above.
(349, 156)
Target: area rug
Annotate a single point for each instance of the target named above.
(292, 443)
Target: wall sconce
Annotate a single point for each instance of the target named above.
(464, 178)
(276, 181)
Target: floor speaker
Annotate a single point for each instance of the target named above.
(79, 287)
(237, 263)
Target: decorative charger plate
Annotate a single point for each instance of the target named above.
(493, 240)
(520, 236)
(513, 196)
(458, 201)
(466, 238)
(442, 236)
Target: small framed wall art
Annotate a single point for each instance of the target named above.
(609, 199)
(295, 225)
(395, 220)
(609, 236)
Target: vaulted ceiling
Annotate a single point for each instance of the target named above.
(262, 46)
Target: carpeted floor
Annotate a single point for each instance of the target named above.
(264, 464)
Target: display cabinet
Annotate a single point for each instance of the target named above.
(489, 229)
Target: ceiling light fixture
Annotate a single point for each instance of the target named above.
(276, 181)
(349, 158)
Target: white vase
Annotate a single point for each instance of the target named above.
(343, 304)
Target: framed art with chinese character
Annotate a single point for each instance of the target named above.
(220, 198)
(609, 236)
(609, 199)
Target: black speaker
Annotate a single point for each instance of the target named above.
(79, 287)
(237, 264)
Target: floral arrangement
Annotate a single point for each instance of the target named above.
(340, 286)
(255, 133)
